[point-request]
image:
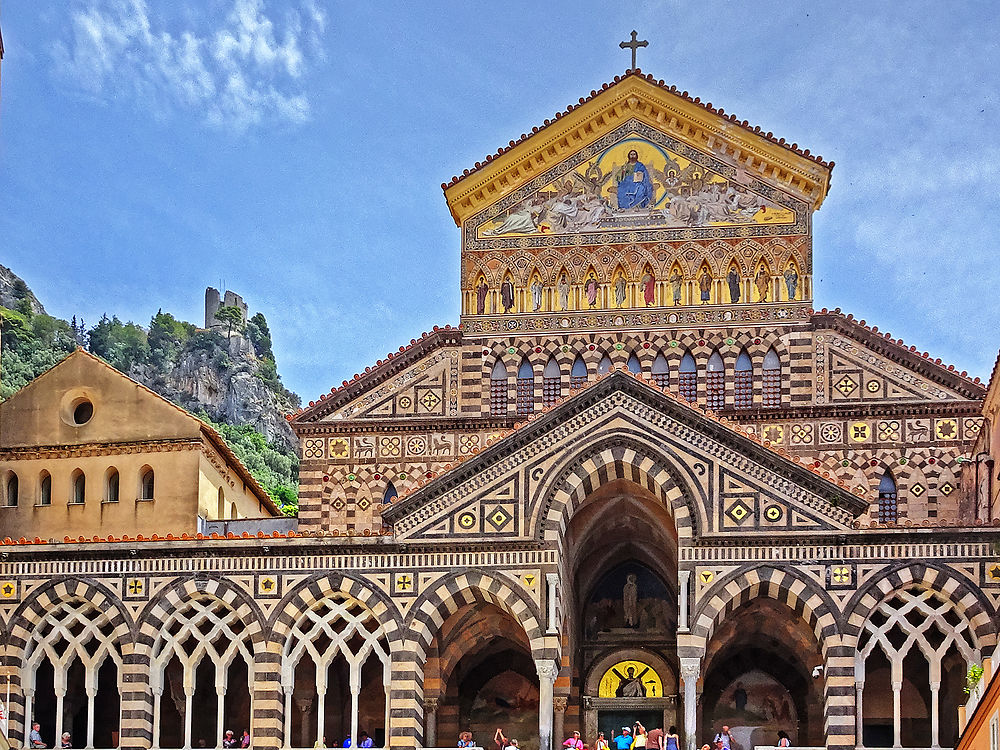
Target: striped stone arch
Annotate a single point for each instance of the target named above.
(62, 604)
(801, 594)
(173, 596)
(964, 595)
(744, 252)
(447, 595)
(474, 268)
(609, 457)
(324, 585)
(45, 598)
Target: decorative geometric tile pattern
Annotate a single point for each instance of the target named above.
(739, 512)
(846, 385)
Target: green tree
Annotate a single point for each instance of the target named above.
(122, 345)
(232, 316)
(260, 336)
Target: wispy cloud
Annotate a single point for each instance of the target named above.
(242, 69)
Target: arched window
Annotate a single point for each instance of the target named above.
(661, 371)
(45, 489)
(578, 375)
(111, 485)
(498, 389)
(604, 366)
(551, 382)
(147, 486)
(221, 504)
(233, 513)
(78, 488)
(633, 364)
(771, 387)
(525, 389)
(743, 385)
(11, 491)
(715, 382)
(688, 378)
(887, 509)
(390, 494)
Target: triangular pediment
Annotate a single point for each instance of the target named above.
(731, 483)
(675, 133)
(41, 413)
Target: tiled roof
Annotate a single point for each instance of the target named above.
(393, 363)
(884, 342)
(707, 106)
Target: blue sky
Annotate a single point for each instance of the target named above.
(293, 151)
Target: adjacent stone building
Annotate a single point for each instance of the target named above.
(644, 479)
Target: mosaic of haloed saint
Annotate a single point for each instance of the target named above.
(636, 184)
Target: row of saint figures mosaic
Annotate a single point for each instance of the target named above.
(636, 184)
(677, 289)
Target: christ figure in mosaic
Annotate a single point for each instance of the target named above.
(635, 189)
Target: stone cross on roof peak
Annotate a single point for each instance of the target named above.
(634, 44)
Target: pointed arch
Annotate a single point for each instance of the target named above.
(78, 487)
(390, 494)
(578, 374)
(633, 364)
(743, 381)
(112, 485)
(734, 283)
(888, 499)
(525, 388)
(715, 382)
(687, 378)
(605, 365)
(705, 281)
(44, 488)
(551, 382)
(771, 380)
(568, 483)
(661, 370)
(498, 389)
(620, 287)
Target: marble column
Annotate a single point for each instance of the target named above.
(935, 717)
(859, 712)
(547, 671)
(552, 585)
(684, 582)
(559, 704)
(897, 722)
(690, 672)
(430, 722)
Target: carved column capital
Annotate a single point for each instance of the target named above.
(547, 669)
(560, 702)
(690, 668)
(431, 704)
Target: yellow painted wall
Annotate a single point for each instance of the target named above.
(124, 411)
(173, 508)
(235, 493)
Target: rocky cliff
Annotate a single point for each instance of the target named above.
(13, 290)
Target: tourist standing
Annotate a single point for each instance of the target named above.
(654, 739)
(229, 741)
(671, 741)
(638, 736)
(66, 740)
(574, 742)
(624, 740)
(245, 740)
(783, 740)
(465, 740)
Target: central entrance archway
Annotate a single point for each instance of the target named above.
(622, 545)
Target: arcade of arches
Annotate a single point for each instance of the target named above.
(643, 480)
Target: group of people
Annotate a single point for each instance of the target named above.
(723, 740)
(229, 739)
(363, 741)
(630, 738)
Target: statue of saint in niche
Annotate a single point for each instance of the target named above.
(630, 601)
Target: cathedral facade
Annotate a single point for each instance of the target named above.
(643, 480)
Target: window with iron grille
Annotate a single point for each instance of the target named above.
(578, 375)
(743, 382)
(771, 384)
(525, 389)
(551, 382)
(498, 389)
(715, 382)
(687, 380)
(888, 511)
(661, 371)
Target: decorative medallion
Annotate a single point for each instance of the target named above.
(860, 432)
(773, 513)
(946, 429)
(846, 385)
(739, 511)
(830, 433)
(467, 521)
(499, 518)
(339, 448)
